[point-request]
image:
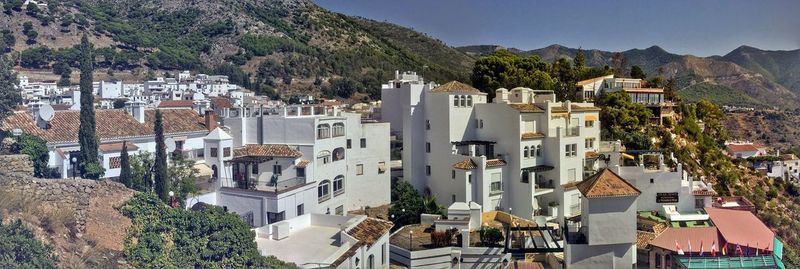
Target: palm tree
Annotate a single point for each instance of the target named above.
(429, 206)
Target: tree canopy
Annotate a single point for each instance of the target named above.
(624, 120)
(19, 248)
(409, 204)
(9, 95)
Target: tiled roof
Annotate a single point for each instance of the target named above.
(570, 185)
(667, 239)
(175, 103)
(532, 135)
(220, 102)
(606, 183)
(495, 163)
(466, 164)
(370, 230)
(591, 155)
(741, 147)
(113, 147)
(177, 120)
(527, 108)
(302, 163)
(347, 254)
(455, 86)
(267, 150)
(704, 192)
(643, 239)
(575, 108)
(741, 227)
(111, 124)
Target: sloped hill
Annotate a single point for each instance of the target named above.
(781, 66)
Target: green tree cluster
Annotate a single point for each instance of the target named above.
(7, 40)
(624, 120)
(179, 238)
(36, 149)
(87, 136)
(9, 95)
(409, 204)
(19, 248)
(28, 31)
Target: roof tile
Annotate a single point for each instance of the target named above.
(455, 86)
(606, 183)
(466, 164)
(267, 150)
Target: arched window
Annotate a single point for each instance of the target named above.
(215, 173)
(323, 190)
(338, 185)
(371, 262)
(455, 100)
(469, 100)
(538, 150)
(525, 151)
(338, 154)
(463, 100)
(338, 129)
(324, 157)
(323, 131)
(533, 151)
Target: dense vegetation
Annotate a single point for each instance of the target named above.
(408, 204)
(162, 237)
(719, 94)
(19, 248)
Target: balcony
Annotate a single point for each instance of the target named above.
(278, 186)
(566, 131)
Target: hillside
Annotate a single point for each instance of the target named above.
(693, 72)
(283, 46)
(782, 67)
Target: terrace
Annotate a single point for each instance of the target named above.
(675, 223)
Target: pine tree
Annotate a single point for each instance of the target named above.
(9, 95)
(580, 59)
(87, 136)
(161, 180)
(125, 166)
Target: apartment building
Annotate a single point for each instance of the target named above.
(652, 98)
(524, 152)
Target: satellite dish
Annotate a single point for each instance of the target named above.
(46, 112)
(170, 143)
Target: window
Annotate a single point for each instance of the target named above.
(525, 151)
(497, 182)
(301, 172)
(427, 170)
(213, 152)
(114, 162)
(589, 143)
(338, 154)
(383, 253)
(363, 143)
(699, 203)
(275, 217)
(526, 176)
(469, 178)
(455, 100)
(481, 125)
(323, 190)
(463, 101)
(199, 153)
(371, 262)
(497, 186)
(454, 198)
(300, 209)
(349, 144)
(340, 210)
(571, 150)
(571, 175)
(428, 147)
(248, 218)
(254, 169)
(453, 174)
(323, 131)
(533, 151)
(589, 123)
(652, 180)
(338, 129)
(427, 124)
(277, 169)
(226, 152)
(469, 100)
(324, 157)
(359, 169)
(538, 150)
(338, 185)
(381, 167)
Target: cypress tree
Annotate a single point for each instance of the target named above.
(160, 169)
(125, 166)
(87, 136)
(9, 95)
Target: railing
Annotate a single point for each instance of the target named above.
(243, 182)
(573, 131)
(324, 198)
(566, 131)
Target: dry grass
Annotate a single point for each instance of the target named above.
(13, 202)
(89, 256)
(57, 221)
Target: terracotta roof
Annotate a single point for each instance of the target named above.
(177, 120)
(455, 86)
(643, 239)
(704, 192)
(267, 150)
(175, 103)
(532, 135)
(570, 185)
(708, 235)
(575, 108)
(527, 108)
(495, 163)
(606, 183)
(114, 147)
(741, 148)
(302, 163)
(646, 90)
(591, 155)
(347, 254)
(741, 227)
(370, 230)
(466, 164)
(220, 102)
(111, 124)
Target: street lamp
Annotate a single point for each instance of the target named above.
(410, 242)
(74, 165)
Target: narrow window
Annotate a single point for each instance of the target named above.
(363, 143)
(428, 170)
(359, 169)
(427, 147)
(453, 174)
(525, 151)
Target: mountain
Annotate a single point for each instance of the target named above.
(746, 76)
(267, 45)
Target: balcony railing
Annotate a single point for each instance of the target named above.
(566, 131)
(267, 185)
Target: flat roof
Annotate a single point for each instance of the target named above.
(312, 244)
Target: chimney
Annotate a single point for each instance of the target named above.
(210, 120)
(136, 109)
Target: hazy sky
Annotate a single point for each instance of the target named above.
(698, 27)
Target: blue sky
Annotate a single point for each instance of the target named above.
(699, 27)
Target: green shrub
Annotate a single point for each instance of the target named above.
(490, 236)
(20, 249)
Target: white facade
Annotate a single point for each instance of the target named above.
(521, 153)
(590, 89)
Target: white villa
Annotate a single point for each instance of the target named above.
(524, 152)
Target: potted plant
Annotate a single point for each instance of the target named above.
(553, 206)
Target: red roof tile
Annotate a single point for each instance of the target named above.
(466, 164)
(741, 227)
(668, 237)
(175, 103)
(177, 120)
(531, 135)
(63, 128)
(606, 183)
(741, 148)
(370, 230)
(113, 147)
(267, 150)
(220, 102)
(455, 86)
(495, 163)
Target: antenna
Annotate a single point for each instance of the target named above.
(46, 112)
(170, 143)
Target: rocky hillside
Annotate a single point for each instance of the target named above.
(764, 78)
(291, 45)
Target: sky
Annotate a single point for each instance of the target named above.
(701, 28)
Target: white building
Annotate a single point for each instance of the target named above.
(110, 90)
(590, 89)
(302, 160)
(524, 152)
(36, 91)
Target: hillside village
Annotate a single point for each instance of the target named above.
(275, 141)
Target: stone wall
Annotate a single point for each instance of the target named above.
(65, 194)
(19, 163)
